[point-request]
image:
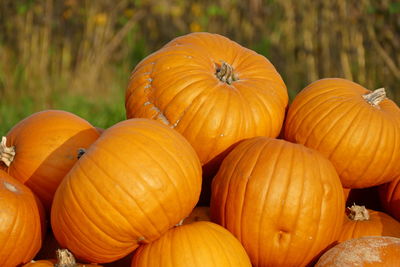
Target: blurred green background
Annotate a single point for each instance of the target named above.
(77, 55)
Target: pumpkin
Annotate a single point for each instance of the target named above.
(210, 89)
(139, 179)
(20, 227)
(277, 197)
(367, 251)
(42, 148)
(196, 245)
(358, 130)
(361, 221)
(64, 259)
(200, 213)
(389, 194)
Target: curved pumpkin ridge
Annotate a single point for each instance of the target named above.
(195, 244)
(172, 95)
(311, 110)
(230, 190)
(100, 169)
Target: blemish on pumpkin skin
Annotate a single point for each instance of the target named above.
(159, 115)
(10, 187)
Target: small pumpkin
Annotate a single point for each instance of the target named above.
(196, 244)
(139, 179)
(213, 91)
(367, 251)
(20, 227)
(389, 194)
(358, 130)
(277, 197)
(42, 148)
(64, 259)
(361, 221)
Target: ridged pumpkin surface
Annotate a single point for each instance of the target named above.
(196, 244)
(46, 145)
(368, 251)
(20, 225)
(179, 86)
(283, 201)
(135, 182)
(358, 131)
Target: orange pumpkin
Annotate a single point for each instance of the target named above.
(389, 194)
(365, 222)
(64, 259)
(20, 227)
(211, 90)
(358, 130)
(278, 197)
(42, 148)
(369, 251)
(196, 245)
(139, 179)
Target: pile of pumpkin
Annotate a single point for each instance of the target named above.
(208, 122)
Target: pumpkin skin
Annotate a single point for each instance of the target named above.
(367, 251)
(139, 179)
(289, 191)
(20, 227)
(389, 194)
(46, 145)
(361, 139)
(366, 222)
(197, 244)
(177, 85)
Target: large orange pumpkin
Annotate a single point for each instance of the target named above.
(42, 148)
(283, 201)
(389, 194)
(20, 225)
(361, 221)
(196, 245)
(367, 251)
(211, 90)
(358, 130)
(135, 182)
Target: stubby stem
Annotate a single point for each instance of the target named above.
(6, 153)
(225, 73)
(65, 259)
(375, 97)
(358, 213)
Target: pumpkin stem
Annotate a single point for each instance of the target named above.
(375, 97)
(65, 259)
(6, 153)
(180, 222)
(225, 73)
(357, 213)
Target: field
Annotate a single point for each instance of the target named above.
(78, 55)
